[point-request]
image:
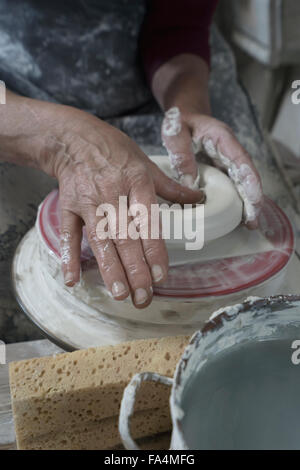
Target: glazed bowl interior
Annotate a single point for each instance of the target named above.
(239, 387)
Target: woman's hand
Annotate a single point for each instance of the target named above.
(181, 88)
(94, 164)
(201, 132)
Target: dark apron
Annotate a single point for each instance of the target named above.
(79, 53)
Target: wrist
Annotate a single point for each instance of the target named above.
(28, 132)
(183, 82)
(188, 109)
(20, 131)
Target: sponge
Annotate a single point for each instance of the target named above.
(103, 435)
(72, 393)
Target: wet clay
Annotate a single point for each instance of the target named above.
(245, 398)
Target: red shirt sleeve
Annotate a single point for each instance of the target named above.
(173, 27)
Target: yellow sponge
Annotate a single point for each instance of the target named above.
(74, 393)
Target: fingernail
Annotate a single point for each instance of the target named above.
(188, 181)
(69, 279)
(140, 296)
(157, 272)
(118, 289)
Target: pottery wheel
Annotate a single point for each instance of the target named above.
(87, 316)
(228, 269)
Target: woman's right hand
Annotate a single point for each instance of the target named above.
(95, 164)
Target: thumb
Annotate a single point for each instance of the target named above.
(170, 190)
(177, 139)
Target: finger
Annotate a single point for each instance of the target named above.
(171, 190)
(70, 246)
(229, 153)
(131, 254)
(106, 255)
(177, 138)
(142, 201)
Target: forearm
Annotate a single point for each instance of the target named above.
(183, 82)
(25, 129)
(17, 131)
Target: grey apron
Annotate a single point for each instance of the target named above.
(80, 53)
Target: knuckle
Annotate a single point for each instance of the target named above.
(139, 272)
(108, 265)
(186, 160)
(93, 238)
(225, 127)
(124, 244)
(65, 234)
(152, 251)
(85, 189)
(139, 175)
(156, 250)
(143, 182)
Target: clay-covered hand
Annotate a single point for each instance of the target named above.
(95, 164)
(186, 133)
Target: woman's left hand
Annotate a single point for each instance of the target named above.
(185, 133)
